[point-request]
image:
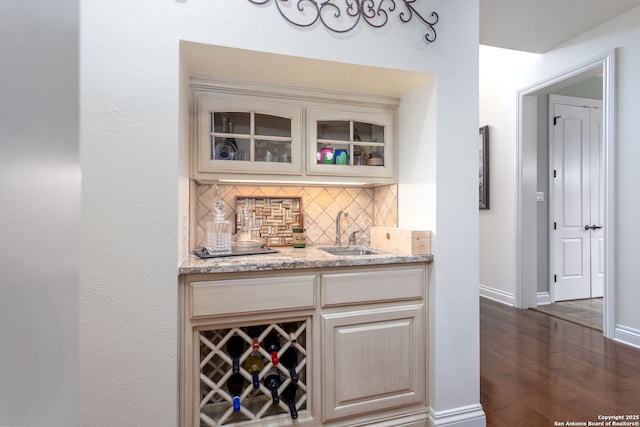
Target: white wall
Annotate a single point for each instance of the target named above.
(438, 190)
(501, 75)
(134, 187)
(39, 212)
(621, 33)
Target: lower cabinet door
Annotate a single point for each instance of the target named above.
(373, 360)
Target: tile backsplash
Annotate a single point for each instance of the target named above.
(367, 207)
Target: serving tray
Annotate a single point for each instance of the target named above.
(202, 252)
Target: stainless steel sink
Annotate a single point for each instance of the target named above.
(348, 251)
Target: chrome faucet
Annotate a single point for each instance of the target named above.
(338, 226)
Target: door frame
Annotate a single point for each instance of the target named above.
(576, 102)
(526, 294)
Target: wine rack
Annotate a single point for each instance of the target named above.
(216, 369)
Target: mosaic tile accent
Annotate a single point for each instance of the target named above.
(276, 217)
(367, 207)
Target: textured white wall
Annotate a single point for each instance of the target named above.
(134, 186)
(39, 212)
(129, 156)
(438, 190)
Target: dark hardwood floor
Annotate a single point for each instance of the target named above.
(537, 370)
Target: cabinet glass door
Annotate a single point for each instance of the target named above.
(229, 139)
(246, 138)
(273, 139)
(250, 137)
(350, 144)
(368, 144)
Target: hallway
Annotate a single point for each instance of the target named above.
(536, 370)
(585, 312)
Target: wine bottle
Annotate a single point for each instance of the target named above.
(235, 385)
(289, 397)
(235, 347)
(290, 328)
(272, 345)
(272, 382)
(254, 333)
(289, 360)
(254, 365)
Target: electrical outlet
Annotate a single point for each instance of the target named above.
(540, 196)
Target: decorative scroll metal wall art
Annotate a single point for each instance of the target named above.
(341, 16)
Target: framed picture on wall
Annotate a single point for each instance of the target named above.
(484, 167)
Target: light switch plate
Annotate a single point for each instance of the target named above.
(540, 196)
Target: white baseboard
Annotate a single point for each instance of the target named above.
(465, 416)
(544, 298)
(498, 295)
(507, 298)
(627, 336)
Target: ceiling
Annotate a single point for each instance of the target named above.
(540, 25)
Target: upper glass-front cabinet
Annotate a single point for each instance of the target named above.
(351, 143)
(246, 136)
(253, 132)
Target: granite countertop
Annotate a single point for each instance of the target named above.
(289, 258)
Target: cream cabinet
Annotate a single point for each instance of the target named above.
(246, 135)
(360, 142)
(375, 364)
(358, 335)
(250, 132)
(237, 332)
(373, 328)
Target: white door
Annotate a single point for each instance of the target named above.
(577, 208)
